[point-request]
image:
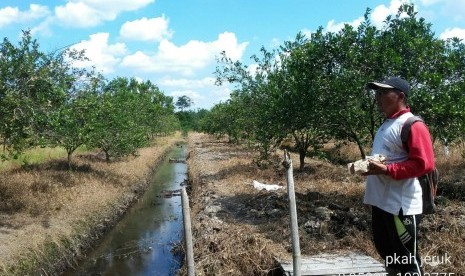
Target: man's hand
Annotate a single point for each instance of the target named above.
(375, 168)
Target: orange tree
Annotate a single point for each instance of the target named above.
(72, 123)
(33, 85)
(314, 89)
(254, 112)
(295, 92)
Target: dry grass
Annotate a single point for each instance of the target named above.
(241, 231)
(49, 214)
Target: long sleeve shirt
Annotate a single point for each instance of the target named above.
(420, 155)
(399, 188)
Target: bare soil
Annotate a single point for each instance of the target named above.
(239, 230)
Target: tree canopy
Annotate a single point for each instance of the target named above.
(313, 88)
(47, 101)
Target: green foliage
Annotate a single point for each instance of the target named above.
(73, 122)
(27, 93)
(313, 89)
(190, 120)
(119, 125)
(46, 101)
(184, 102)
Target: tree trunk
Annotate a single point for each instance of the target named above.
(70, 152)
(302, 145)
(302, 154)
(360, 147)
(107, 156)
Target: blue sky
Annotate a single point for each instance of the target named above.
(174, 43)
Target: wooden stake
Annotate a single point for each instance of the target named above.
(293, 211)
(187, 232)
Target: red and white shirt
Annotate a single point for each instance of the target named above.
(399, 188)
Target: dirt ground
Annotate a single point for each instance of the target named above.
(239, 230)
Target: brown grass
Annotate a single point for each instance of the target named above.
(241, 231)
(49, 214)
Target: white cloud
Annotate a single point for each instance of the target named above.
(89, 13)
(105, 57)
(253, 69)
(115, 5)
(441, 11)
(35, 12)
(204, 99)
(379, 14)
(146, 29)
(454, 32)
(10, 15)
(332, 26)
(188, 83)
(228, 42)
(198, 100)
(185, 59)
(195, 96)
(80, 15)
(222, 93)
(203, 92)
(44, 27)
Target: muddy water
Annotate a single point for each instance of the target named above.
(142, 242)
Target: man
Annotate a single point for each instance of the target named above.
(392, 188)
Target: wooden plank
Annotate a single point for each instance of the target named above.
(335, 264)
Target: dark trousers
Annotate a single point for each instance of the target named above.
(396, 240)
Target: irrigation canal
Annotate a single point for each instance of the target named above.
(144, 242)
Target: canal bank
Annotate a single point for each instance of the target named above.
(77, 208)
(147, 240)
(240, 230)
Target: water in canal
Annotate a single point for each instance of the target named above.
(142, 242)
